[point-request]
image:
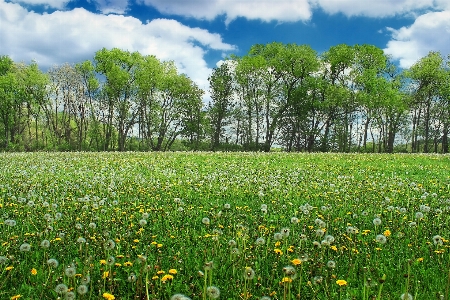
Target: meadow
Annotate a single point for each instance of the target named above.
(224, 226)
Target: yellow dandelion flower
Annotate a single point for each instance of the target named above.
(296, 262)
(103, 261)
(9, 268)
(166, 277)
(173, 271)
(277, 244)
(105, 274)
(108, 296)
(159, 245)
(334, 248)
(155, 277)
(160, 272)
(286, 279)
(118, 264)
(387, 233)
(420, 259)
(136, 240)
(128, 264)
(341, 282)
(33, 271)
(16, 297)
(278, 251)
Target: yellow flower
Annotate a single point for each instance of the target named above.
(105, 274)
(16, 297)
(172, 271)
(108, 296)
(286, 279)
(278, 251)
(341, 282)
(159, 245)
(128, 264)
(166, 277)
(277, 244)
(118, 264)
(155, 277)
(160, 272)
(365, 231)
(334, 248)
(136, 240)
(387, 233)
(296, 262)
(33, 271)
(102, 261)
(9, 268)
(420, 259)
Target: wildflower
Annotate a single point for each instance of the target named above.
(277, 236)
(61, 288)
(92, 225)
(294, 220)
(110, 245)
(10, 222)
(178, 297)
(208, 266)
(329, 238)
(232, 243)
(249, 273)
(34, 272)
(81, 240)
(213, 292)
(45, 244)
(419, 215)
(173, 271)
(108, 296)
(318, 279)
(286, 280)
(16, 297)
(420, 259)
(320, 232)
(70, 271)
(166, 277)
(407, 296)
(412, 224)
(296, 261)
(331, 264)
(260, 241)
(377, 221)
(278, 251)
(206, 221)
(227, 206)
(128, 264)
(85, 279)
(110, 261)
(304, 257)
(341, 282)
(285, 232)
(142, 222)
(3, 259)
(132, 278)
(437, 240)
(351, 230)
(381, 239)
(9, 268)
(105, 275)
(334, 248)
(25, 247)
(387, 233)
(69, 295)
(53, 263)
(290, 272)
(82, 289)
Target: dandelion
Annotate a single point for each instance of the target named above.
(132, 278)
(227, 206)
(25, 247)
(377, 221)
(341, 282)
(419, 215)
(387, 233)
(278, 251)
(108, 296)
(142, 222)
(142, 258)
(320, 232)
(52, 263)
(213, 292)
(294, 220)
(406, 296)
(290, 272)
(69, 295)
(412, 224)
(110, 261)
(286, 280)
(82, 289)
(260, 241)
(331, 264)
(285, 232)
(45, 244)
(296, 261)
(61, 288)
(208, 266)
(81, 240)
(85, 279)
(173, 271)
(70, 271)
(381, 239)
(16, 297)
(351, 230)
(249, 273)
(166, 277)
(3, 260)
(33, 272)
(206, 221)
(10, 222)
(145, 216)
(92, 225)
(437, 240)
(317, 279)
(110, 244)
(277, 236)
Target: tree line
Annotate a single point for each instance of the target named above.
(288, 96)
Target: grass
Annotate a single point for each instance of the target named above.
(242, 225)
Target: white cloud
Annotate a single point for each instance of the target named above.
(265, 10)
(58, 4)
(430, 32)
(75, 36)
(379, 8)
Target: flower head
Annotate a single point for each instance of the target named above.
(249, 273)
(213, 292)
(108, 296)
(341, 282)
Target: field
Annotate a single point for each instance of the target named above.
(224, 225)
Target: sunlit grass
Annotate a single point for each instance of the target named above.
(232, 226)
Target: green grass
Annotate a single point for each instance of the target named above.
(116, 223)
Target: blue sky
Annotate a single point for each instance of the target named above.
(197, 34)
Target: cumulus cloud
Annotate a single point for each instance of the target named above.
(58, 4)
(75, 36)
(429, 32)
(265, 10)
(379, 8)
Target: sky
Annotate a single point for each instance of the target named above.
(198, 34)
